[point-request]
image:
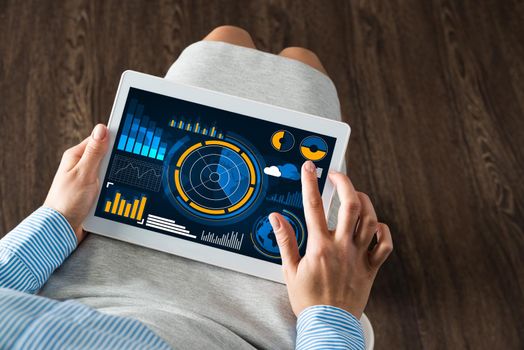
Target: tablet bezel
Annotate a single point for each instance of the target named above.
(193, 250)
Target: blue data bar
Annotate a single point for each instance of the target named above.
(162, 151)
(127, 125)
(156, 142)
(148, 140)
(132, 135)
(139, 140)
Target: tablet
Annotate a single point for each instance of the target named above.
(196, 173)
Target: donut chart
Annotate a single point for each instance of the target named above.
(216, 179)
(313, 148)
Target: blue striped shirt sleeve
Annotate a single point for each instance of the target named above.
(34, 249)
(328, 327)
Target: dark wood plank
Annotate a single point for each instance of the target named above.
(434, 91)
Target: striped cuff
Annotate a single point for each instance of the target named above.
(328, 327)
(34, 249)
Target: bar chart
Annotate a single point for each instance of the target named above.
(231, 239)
(292, 199)
(140, 135)
(196, 127)
(133, 209)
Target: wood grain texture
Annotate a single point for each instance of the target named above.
(434, 92)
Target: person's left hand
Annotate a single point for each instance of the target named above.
(76, 184)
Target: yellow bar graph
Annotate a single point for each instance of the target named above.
(141, 210)
(122, 207)
(115, 203)
(135, 208)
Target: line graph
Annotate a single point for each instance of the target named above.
(135, 172)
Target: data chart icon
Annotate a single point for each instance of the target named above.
(282, 140)
(313, 148)
(216, 179)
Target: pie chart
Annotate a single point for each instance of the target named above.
(282, 140)
(313, 148)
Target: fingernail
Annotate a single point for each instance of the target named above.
(273, 220)
(99, 132)
(310, 167)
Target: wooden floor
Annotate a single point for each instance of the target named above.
(434, 92)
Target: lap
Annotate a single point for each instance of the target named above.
(161, 289)
(158, 288)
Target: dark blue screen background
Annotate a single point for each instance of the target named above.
(208, 175)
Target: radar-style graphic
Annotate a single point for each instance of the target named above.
(282, 140)
(216, 179)
(264, 238)
(313, 148)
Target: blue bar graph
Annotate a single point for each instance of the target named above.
(139, 135)
(292, 199)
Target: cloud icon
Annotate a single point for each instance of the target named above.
(289, 171)
(272, 171)
(286, 171)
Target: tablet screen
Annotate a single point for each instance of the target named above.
(208, 175)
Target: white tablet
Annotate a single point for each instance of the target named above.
(196, 173)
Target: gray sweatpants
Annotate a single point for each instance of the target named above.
(190, 304)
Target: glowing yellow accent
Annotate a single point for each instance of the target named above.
(179, 124)
(251, 168)
(141, 210)
(275, 140)
(108, 206)
(220, 135)
(135, 207)
(188, 126)
(223, 143)
(212, 130)
(204, 131)
(172, 122)
(314, 156)
(128, 209)
(115, 203)
(121, 207)
(196, 127)
(243, 201)
(178, 187)
(207, 211)
(184, 155)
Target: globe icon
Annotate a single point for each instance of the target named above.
(265, 236)
(265, 239)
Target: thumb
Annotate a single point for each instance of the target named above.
(95, 150)
(287, 242)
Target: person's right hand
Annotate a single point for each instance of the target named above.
(337, 268)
